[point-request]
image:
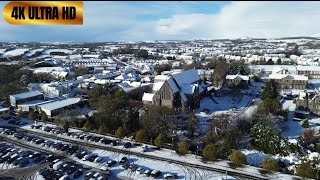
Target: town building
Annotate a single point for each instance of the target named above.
(240, 81)
(289, 81)
(309, 101)
(179, 91)
(4, 112)
(53, 108)
(25, 97)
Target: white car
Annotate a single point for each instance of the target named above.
(139, 170)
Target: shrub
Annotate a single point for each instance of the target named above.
(270, 165)
(183, 148)
(159, 140)
(306, 171)
(141, 136)
(119, 132)
(209, 153)
(32, 116)
(294, 101)
(305, 123)
(238, 158)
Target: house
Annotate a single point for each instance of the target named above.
(179, 91)
(289, 81)
(25, 97)
(313, 72)
(237, 81)
(53, 108)
(206, 74)
(309, 101)
(4, 112)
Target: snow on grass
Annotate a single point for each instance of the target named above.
(294, 128)
(48, 51)
(2, 51)
(33, 51)
(254, 157)
(15, 52)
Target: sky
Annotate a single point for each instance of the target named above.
(176, 20)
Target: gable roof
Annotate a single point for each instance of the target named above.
(240, 77)
(186, 77)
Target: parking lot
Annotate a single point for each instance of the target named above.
(97, 167)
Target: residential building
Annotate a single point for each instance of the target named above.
(309, 101)
(240, 81)
(289, 81)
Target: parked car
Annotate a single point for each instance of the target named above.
(78, 173)
(111, 163)
(127, 145)
(147, 172)
(155, 173)
(139, 170)
(123, 160)
(170, 176)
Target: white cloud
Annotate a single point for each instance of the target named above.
(254, 19)
(104, 21)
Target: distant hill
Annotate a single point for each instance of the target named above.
(299, 37)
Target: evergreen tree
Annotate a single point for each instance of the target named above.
(183, 148)
(270, 165)
(141, 136)
(238, 158)
(209, 153)
(266, 138)
(159, 140)
(270, 90)
(32, 116)
(44, 117)
(305, 170)
(66, 126)
(20, 113)
(119, 132)
(102, 129)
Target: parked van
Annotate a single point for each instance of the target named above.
(57, 165)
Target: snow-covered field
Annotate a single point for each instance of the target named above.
(15, 52)
(33, 51)
(48, 51)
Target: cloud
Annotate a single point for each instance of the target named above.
(112, 21)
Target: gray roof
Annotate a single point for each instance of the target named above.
(60, 104)
(26, 95)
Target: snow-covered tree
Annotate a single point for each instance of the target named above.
(266, 138)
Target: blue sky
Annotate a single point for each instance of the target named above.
(176, 20)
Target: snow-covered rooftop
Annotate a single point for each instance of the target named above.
(287, 76)
(60, 104)
(240, 77)
(26, 95)
(147, 97)
(187, 77)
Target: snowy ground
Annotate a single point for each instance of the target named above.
(314, 84)
(33, 51)
(236, 104)
(15, 52)
(294, 127)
